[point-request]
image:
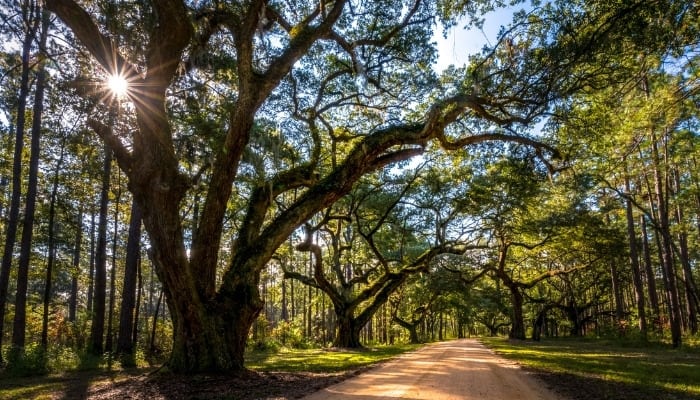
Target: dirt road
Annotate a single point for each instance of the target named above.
(462, 369)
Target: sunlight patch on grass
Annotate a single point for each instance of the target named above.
(32, 391)
(321, 360)
(652, 366)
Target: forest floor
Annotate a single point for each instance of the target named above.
(462, 369)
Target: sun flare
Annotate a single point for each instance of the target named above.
(118, 85)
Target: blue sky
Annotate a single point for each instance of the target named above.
(460, 42)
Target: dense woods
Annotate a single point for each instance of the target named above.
(298, 173)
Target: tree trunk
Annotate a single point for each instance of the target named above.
(517, 330)
(52, 248)
(284, 316)
(212, 337)
(75, 273)
(634, 262)
(20, 321)
(125, 345)
(691, 292)
(347, 330)
(100, 285)
(152, 343)
(538, 326)
(137, 311)
(651, 276)
(411, 327)
(109, 342)
(617, 294)
(663, 228)
(13, 219)
(91, 272)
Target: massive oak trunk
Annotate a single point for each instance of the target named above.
(348, 330)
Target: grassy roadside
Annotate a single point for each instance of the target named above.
(605, 369)
(76, 383)
(322, 360)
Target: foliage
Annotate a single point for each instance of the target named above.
(254, 131)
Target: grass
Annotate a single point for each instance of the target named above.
(79, 375)
(321, 360)
(653, 369)
(60, 372)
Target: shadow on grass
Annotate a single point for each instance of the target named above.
(577, 387)
(27, 380)
(604, 369)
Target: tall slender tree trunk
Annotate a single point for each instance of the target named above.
(691, 291)
(152, 343)
(20, 320)
(125, 343)
(137, 311)
(96, 345)
(15, 201)
(634, 262)
(75, 273)
(91, 273)
(617, 295)
(109, 346)
(284, 316)
(52, 248)
(660, 183)
(651, 276)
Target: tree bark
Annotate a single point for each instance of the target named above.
(125, 345)
(650, 275)
(16, 197)
(617, 295)
(691, 292)
(411, 327)
(52, 249)
(152, 343)
(634, 262)
(109, 341)
(75, 273)
(348, 330)
(517, 330)
(20, 320)
(137, 311)
(91, 272)
(663, 227)
(96, 345)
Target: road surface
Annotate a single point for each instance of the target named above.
(461, 369)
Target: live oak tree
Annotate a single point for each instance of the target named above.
(318, 94)
(372, 249)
